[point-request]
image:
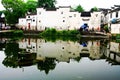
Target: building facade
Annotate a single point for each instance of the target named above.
(61, 18)
(113, 18)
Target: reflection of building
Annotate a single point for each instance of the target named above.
(113, 56)
(61, 50)
(115, 47)
(29, 45)
(92, 49)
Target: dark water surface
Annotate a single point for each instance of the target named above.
(39, 59)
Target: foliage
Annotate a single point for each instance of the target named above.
(46, 3)
(117, 36)
(106, 28)
(79, 8)
(53, 35)
(47, 65)
(13, 34)
(16, 9)
(31, 6)
(94, 9)
(53, 32)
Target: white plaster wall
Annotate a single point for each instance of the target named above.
(115, 28)
(114, 47)
(32, 20)
(61, 19)
(95, 20)
(22, 23)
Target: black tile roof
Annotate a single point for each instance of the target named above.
(85, 14)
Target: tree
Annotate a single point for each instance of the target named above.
(17, 8)
(46, 3)
(14, 10)
(31, 6)
(94, 9)
(79, 8)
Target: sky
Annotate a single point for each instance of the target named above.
(86, 4)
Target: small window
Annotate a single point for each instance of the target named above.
(61, 12)
(96, 15)
(33, 20)
(63, 20)
(40, 13)
(116, 14)
(110, 15)
(74, 15)
(28, 16)
(70, 16)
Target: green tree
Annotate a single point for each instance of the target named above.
(46, 3)
(31, 6)
(14, 10)
(17, 8)
(79, 8)
(94, 9)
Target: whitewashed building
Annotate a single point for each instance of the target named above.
(62, 51)
(113, 17)
(22, 23)
(61, 18)
(28, 23)
(93, 19)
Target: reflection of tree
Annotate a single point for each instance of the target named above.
(11, 52)
(77, 58)
(27, 59)
(10, 62)
(11, 49)
(47, 65)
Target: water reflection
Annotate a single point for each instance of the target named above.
(46, 54)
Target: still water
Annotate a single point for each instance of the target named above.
(39, 59)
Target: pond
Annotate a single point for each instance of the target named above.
(40, 59)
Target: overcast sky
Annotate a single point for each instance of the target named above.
(86, 4)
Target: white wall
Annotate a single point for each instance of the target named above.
(31, 20)
(61, 19)
(22, 23)
(95, 20)
(115, 47)
(115, 28)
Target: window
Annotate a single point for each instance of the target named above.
(116, 14)
(63, 20)
(28, 16)
(33, 20)
(61, 12)
(110, 15)
(96, 15)
(39, 13)
(74, 15)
